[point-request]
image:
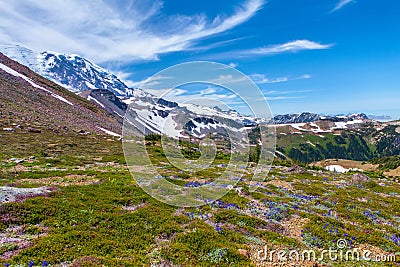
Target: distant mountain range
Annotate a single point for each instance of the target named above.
(312, 117)
(97, 102)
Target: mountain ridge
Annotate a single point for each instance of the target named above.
(104, 112)
(70, 71)
(108, 92)
(79, 74)
(30, 100)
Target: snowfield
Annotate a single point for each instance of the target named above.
(340, 169)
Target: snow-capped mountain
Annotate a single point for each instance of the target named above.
(33, 102)
(307, 117)
(75, 73)
(295, 118)
(78, 74)
(20, 54)
(151, 114)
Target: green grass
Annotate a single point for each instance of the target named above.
(98, 224)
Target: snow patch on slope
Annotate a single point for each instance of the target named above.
(343, 125)
(92, 99)
(109, 132)
(340, 169)
(17, 74)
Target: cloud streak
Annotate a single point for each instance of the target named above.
(263, 79)
(105, 30)
(289, 47)
(341, 4)
(293, 46)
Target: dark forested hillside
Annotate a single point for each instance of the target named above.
(362, 144)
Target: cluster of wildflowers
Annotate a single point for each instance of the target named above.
(311, 240)
(395, 239)
(373, 216)
(216, 256)
(200, 215)
(334, 232)
(222, 205)
(269, 210)
(303, 198)
(193, 184)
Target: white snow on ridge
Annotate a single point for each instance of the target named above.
(340, 169)
(200, 125)
(17, 74)
(212, 112)
(170, 129)
(298, 126)
(310, 143)
(336, 168)
(128, 101)
(109, 132)
(91, 86)
(165, 125)
(43, 64)
(95, 100)
(60, 98)
(343, 125)
(20, 54)
(317, 129)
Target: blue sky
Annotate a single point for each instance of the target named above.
(330, 56)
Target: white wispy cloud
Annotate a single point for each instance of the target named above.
(275, 92)
(341, 4)
(270, 50)
(229, 79)
(293, 46)
(264, 79)
(105, 30)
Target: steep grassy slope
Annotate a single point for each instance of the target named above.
(42, 104)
